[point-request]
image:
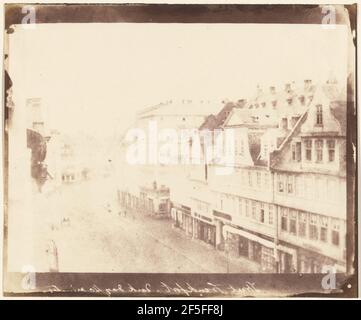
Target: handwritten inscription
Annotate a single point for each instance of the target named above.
(174, 289)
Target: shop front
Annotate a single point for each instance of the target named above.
(312, 262)
(241, 243)
(183, 219)
(187, 222)
(205, 231)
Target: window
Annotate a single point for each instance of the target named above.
(335, 232)
(319, 120)
(324, 229)
(319, 150)
(261, 214)
(280, 183)
(331, 150)
(259, 179)
(313, 227)
(308, 147)
(254, 209)
(250, 178)
(335, 237)
(268, 260)
(302, 221)
(293, 149)
(293, 222)
(274, 104)
(284, 219)
(289, 184)
(270, 214)
(298, 151)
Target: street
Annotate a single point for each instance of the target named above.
(80, 228)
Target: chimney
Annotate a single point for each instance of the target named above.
(307, 84)
(288, 87)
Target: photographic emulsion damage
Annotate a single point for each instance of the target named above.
(180, 150)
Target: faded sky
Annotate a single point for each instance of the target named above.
(94, 77)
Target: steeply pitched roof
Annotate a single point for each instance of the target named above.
(217, 121)
(339, 111)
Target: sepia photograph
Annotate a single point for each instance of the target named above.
(180, 150)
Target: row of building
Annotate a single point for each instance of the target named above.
(284, 203)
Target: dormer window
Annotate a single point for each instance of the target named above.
(319, 117)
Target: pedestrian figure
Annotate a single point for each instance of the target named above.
(53, 258)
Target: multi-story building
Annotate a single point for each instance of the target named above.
(284, 204)
(310, 185)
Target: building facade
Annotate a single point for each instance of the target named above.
(284, 204)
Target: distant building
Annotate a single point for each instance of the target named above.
(37, 140)
(179, 115)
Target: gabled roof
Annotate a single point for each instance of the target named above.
(220, 119)
(338, 109)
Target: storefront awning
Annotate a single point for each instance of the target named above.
(249, 236)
